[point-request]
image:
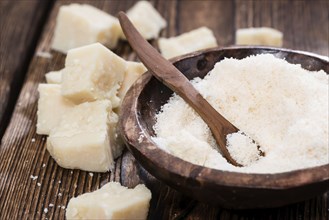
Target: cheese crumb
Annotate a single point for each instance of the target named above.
(45, 210)
(33, 177)
(281, 106)
(33, 140)
(38, 184)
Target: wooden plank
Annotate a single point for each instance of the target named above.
(23, 153)
(20, 23)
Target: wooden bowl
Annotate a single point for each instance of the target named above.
(223, 188)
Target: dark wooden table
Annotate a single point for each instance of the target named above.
(26, 30)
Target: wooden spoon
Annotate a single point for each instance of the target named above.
(169, 75)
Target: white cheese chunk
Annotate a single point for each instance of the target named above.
(91, 73)
(51, 107)
(194, 40)
(133, 71)
(112, 201)
(259, 36)
(146, 19)
(81, 24)
(82, 138)
(54, 77)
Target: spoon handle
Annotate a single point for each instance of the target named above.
(169, 75)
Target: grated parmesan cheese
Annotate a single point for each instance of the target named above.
(281, 106)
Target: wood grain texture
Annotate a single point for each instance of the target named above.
(20, 25)
(303, 24)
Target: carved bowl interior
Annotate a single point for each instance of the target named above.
(217, 187)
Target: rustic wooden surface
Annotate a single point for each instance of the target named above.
(21, 24)
(26, 23)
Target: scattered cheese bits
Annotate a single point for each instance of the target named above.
(81, 140)
(91, 73)
(281, 106)
(194, 40)
(133, 71)
(112, 201)
(259, 36)
(33, 177)
(146, 19)
(81, 24)
(51, 107)
(54, 77)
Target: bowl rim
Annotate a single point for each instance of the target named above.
(130, 125)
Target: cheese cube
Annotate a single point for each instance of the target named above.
(54, 77)
(92, 73)
(51, 107)
(112, 201)
(194, 40)
(133, 71)
(82, 140)
(146, 19)
(259, 36)
(80, 24)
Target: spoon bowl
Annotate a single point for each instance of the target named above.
(226, 189)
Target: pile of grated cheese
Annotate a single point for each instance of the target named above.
(279, 106)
